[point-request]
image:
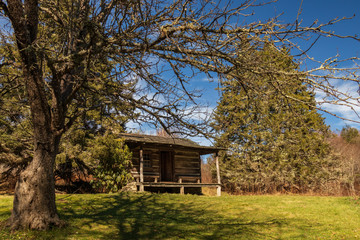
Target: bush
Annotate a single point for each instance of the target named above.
(112, 159)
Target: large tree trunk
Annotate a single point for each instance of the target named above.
(34, 203)
(34, 200)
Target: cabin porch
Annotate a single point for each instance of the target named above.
(182, 183)
(180, 186)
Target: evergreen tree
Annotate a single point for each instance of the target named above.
(349, 134)
(274, 135)
(76, 160)
(15, 127)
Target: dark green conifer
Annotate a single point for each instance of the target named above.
(274, 134)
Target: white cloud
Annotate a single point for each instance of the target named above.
(347, 105)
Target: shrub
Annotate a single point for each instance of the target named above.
(112, 159)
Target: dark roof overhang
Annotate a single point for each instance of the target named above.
(169, 142)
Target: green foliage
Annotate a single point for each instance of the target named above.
(15, 141)
(350, 134)
(275, 138)
(107, 113)
(73, 163)
(16, 148)
(86, 155)
(113, 161)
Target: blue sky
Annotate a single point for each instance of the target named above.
(325, 10)
(311, 10)
(322, 10)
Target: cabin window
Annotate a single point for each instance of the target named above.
(147, 160)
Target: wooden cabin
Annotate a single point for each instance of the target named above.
(166, 162)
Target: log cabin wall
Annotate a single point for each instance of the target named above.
(186, 164)
(151, 163)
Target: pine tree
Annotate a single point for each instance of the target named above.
(274, 135)
(349, 134)
(16, 149)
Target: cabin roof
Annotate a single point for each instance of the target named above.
(167, 142)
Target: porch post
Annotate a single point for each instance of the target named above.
(182, 190)
(218, 188)
(141, 169)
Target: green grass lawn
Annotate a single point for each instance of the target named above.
(172, 216)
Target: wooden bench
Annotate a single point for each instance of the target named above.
(152, 175)
(181, 178)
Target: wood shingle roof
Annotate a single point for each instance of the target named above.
(167, 141)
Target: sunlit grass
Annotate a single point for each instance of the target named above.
(173, 216)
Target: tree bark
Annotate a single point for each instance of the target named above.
(34, 200)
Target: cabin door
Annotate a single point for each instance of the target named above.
(167, 166)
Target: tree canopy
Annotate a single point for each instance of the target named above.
(349, 134)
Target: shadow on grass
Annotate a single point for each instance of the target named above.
(154, 216)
